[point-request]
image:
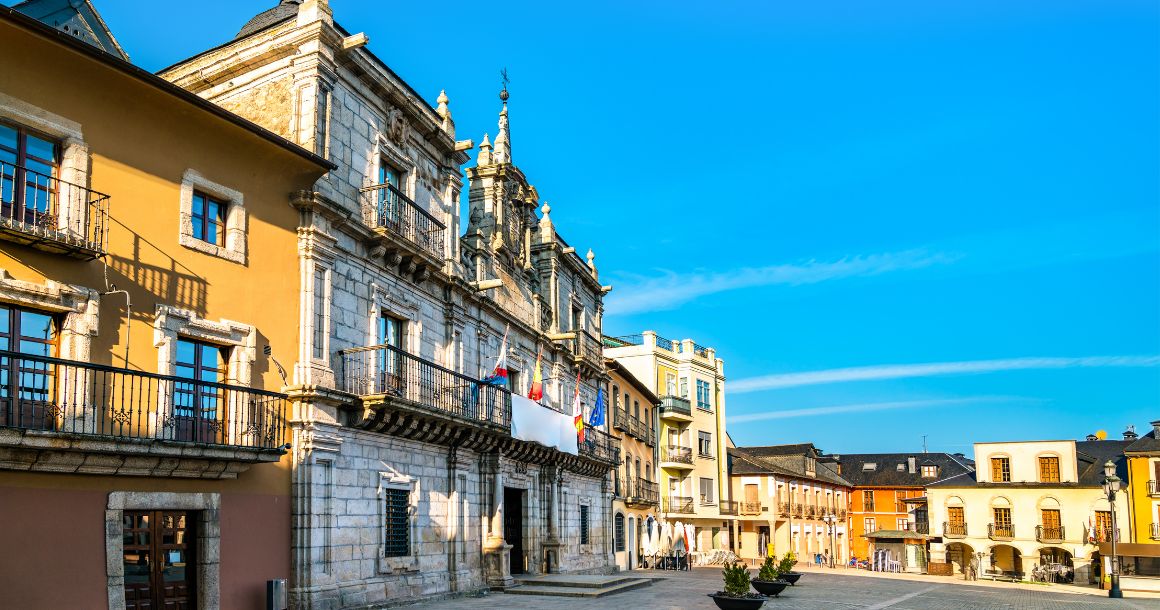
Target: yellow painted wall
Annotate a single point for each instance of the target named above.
(1145, 509)
(141, 141)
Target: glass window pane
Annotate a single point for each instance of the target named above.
(40, 148)
(186, 351)
(7, 137)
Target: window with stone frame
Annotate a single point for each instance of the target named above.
(584, 524)
(29, 164)
(213, 218)
(618, 532)
(396, 522)
(320, 305)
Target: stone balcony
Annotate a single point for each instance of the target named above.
(406, 235)
(77, 417)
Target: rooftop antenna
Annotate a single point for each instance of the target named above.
(924, 443)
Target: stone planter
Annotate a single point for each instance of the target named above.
(770, 587)
(791, 577)
(728, 602)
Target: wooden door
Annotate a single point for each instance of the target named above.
(159, 560)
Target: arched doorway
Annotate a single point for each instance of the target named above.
(959, 555)
(1006, 559)
(1056, 565)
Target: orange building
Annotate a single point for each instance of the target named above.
(887, 495)
(148, 279)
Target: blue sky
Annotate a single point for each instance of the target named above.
(818, 187)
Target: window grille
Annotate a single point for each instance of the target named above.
(583, 524)
(619, 532)
(397, 541)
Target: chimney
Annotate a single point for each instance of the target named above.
(1130, 433)
(910, 464)
(1156, 428)
(1091, 437)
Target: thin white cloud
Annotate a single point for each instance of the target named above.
(898, 371)
(865, 407)
(670, 290)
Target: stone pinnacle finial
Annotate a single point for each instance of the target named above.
(503, 148)
(445, 112)
(592, 262)
(484, 157)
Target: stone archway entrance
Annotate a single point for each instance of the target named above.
(1007, 559)
(959, 555)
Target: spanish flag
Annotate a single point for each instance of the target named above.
(578, 411)
(536, 392)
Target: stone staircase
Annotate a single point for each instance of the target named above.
(589, 586)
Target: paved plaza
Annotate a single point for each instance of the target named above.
(820, 590)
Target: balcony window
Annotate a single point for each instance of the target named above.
(1049, 469)
(1003, 527)
(26, 386)
(197, 408)
(1001, 469)
(28, 165)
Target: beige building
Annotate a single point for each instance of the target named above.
(1027, 504)
(788, 500)
(632, 413)
(693, 471)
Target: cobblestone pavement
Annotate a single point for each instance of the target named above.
(817, 590)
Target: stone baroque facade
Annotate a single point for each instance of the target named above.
(401, 315)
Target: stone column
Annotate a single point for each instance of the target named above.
(497, 552)
(553, 545)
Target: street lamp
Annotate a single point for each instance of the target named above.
(832, 521)
(1111, 486)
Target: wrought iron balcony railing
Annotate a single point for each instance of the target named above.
(623, 341)
(70, 397)
(641, 491)
(678, 504)
(385, 370)
(675, 405)
(841, 512)
(728, 507)
(600, 445)
(1000, 531)
(1049, 534)
(810, 511)
(635, 427)
(783, 509)
(386, 207)
(50, 214)
(750, 508)
(798, 510)
(919, 527)
(682, 455)
(1153, 488)
(667, 344)
(1155, 531)
(587, 347)
(954, 530)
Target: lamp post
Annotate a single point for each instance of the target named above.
(1111, 486)
(832, 521)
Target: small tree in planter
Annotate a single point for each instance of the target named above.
(785, 568)
(767, 582)
(736, 595)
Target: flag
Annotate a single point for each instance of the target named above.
(596, 418)
(578, 412)
(536, 392)
(499, 377)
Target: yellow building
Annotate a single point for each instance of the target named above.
(789, 500)
(692, 457)
(1028, 504)
(147, 262)
(1140, 551)
(632, 412)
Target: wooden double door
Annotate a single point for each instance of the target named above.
(160, 560)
